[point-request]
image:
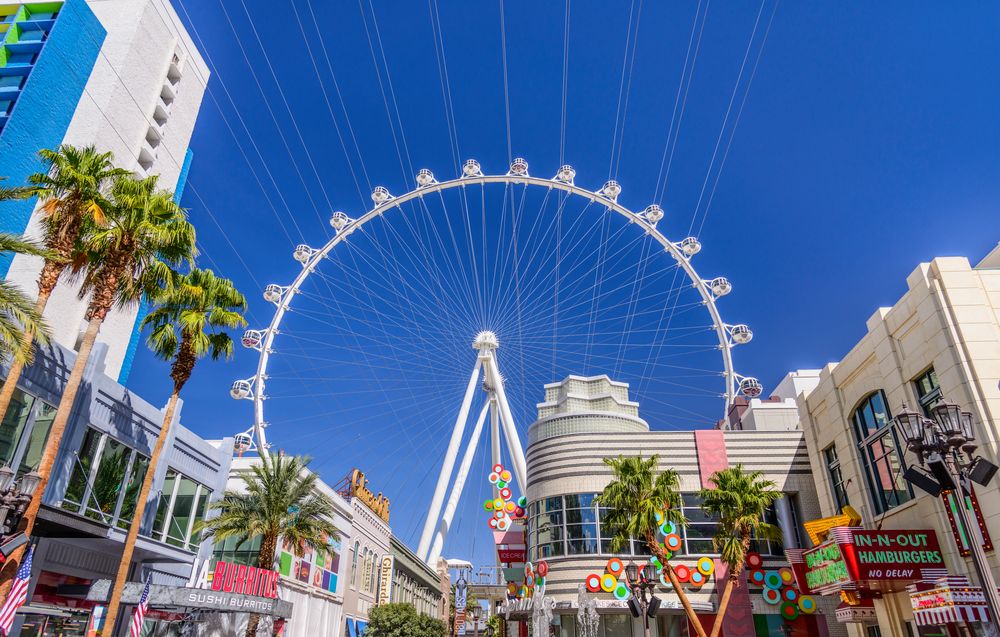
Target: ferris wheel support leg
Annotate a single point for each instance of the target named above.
(495, 436)
(509, 430)
(457, 488)
(449, 464)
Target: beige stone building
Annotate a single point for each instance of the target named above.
(942, 338)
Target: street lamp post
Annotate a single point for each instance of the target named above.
(940, 444)
(641, 582)
(475, 611)
(15, 497)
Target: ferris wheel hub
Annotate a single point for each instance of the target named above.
(486, 341)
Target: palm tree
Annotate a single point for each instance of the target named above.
(73, 192)
(19, 318)
(738, 499)
(187, 324)
(279, 500)
(146, 235)
(635, 496)
(8, 193)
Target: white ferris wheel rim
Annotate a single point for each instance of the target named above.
(606, 197)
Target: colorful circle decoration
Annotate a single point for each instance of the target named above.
(754, 560)
(593, 583)
(807, 604)
(501, 484)
(790, 594)
(789, 611)
(505, 493)
(493, 523)
(664, 581)
(519, 512)
(672, 542)
(503, 524)
(757, 577)
(697, 578)
(787, 577)
(494, 478)
(505, 475)
(621, 592)
(608, 582)
(655, 561)
(509, 507)
(497, 468)
(522, 592)
(771, 596)
(522, 502)
(683, 573)
(615, 566)
(488, 505)
(529, 568)
(529, 581)
(772, 580)
(542, 568)
(669, 554)
(706, 566)
(668, 528)
(659, 518)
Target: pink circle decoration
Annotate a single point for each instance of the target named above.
(542, 568)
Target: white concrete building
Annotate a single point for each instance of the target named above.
(141, 102)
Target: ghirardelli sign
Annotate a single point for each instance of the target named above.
(377, 503)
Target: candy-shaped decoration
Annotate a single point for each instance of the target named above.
(509, 507)
(522, 592)
(488, 505)
(493, 523)
(659, 518)
(697, 578)
(498, 505)
(668, 554)
(706, 566)
(672, 542)
(494, 478)
(655, 561)
(519, 512)
(757, 577)
(501, 484)
(807, 604)
(497, 468)
(754, 560)
(529, 568)
(790, 611)
(664, 581)
(787, 577)
(593, 583)
(683, 573)
(505, 493)
(505, 475)
(615, 566)
(621, 592)
(529, 581)
(540, 582)
(511, 588)
(542, 568)
(503, 524)
(523, 502)
(772, 579)
(608, 582)
(771, 596)
(668, 528)
(499, 513)
(790, 594)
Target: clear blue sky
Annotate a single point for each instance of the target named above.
(867, 142)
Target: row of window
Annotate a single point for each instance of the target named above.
(367, 578)
(571, 525)
(879, 449)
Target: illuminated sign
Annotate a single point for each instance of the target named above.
(894, 555)
(825, 567)
(385, 587)
(245, 580)
(377, 503)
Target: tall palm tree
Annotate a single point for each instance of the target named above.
(146, 235)
(73, 191)
(279, 500)
(187, 324)
(18, 316)
(8, 193)
(738, 499)
(635, 496)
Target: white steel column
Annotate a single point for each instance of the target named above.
(456, 489)
(510, 431)
(449, 464)
(495, 436)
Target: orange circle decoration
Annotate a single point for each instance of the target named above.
(542, 568)
(771, 596)
(787, 577)
(683, 573)
(706, 566)
(608, 582)
(697, 578)
(757, 577)
(672, 542)
(615, 566)
(593, 583)
(754, 560)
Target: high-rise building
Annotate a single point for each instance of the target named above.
(123, 75)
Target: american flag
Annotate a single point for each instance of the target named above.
(18, 594)
(140, 612)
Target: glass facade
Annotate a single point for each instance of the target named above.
(230, 550)
(571, 525)
(23, 432)
(880, 453)
(104, 484)
(182, 503)
(928, 390)
(836, 477)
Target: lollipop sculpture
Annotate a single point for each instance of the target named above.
(503, 508)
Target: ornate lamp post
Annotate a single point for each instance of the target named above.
(940, 444)
(641, 582)
(15, 497)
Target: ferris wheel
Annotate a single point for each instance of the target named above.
(372, 337)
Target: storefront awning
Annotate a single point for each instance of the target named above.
(947, 600)
(178, 597)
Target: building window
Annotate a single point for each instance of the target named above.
(354, 564)
(24, 431)
(928, 390)
(183, 503)
(880, 453)
(701, 527)
(105, 481)
(238, 550)
(836, 477)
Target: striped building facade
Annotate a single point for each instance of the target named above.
(584, 420)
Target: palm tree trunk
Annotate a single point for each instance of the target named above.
(52, 446)
(140, 510)
(724, 602)
(46, 283)
(265, 559)
(692, 616)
